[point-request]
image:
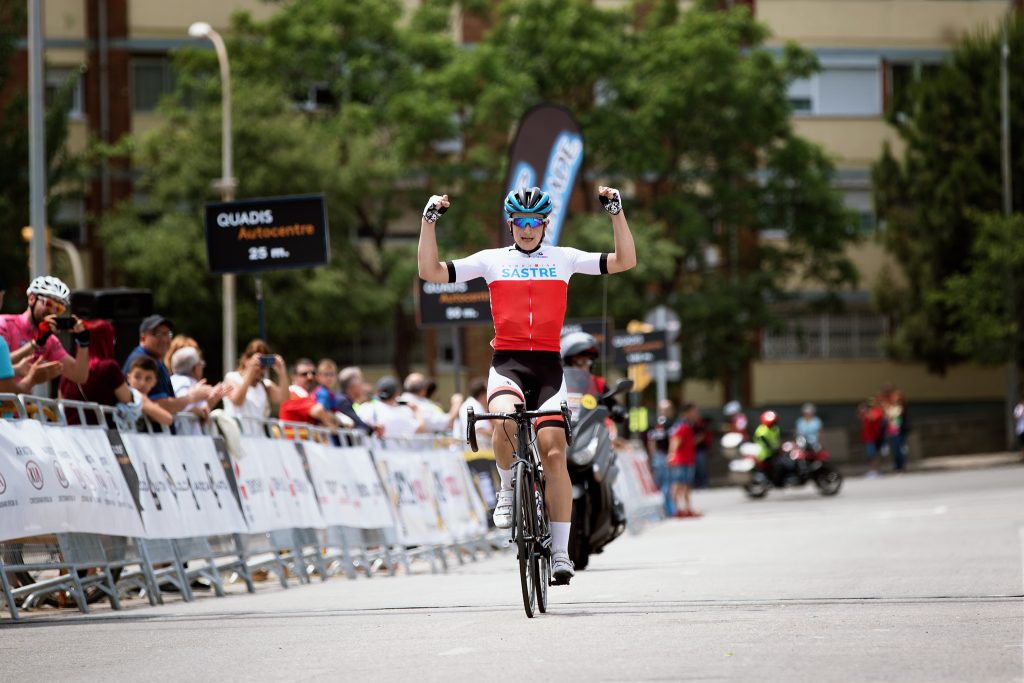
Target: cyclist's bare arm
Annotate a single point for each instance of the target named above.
(431, 269)
(624, 256)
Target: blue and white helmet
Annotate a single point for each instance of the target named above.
(528, 200)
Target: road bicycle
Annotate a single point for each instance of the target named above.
(531, 528)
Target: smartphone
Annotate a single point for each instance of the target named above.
(65, 323)
(267, 361)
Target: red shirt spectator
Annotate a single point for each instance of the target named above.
(871, 424)
(685, 453)
(105, 382)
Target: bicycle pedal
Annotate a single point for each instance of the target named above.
(560, 581)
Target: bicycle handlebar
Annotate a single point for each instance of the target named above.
(518, 415)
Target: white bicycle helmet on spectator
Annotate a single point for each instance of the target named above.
(50, 287)
(732, 408)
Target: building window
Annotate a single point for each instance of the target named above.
(900, 77)
(800, 96)
(152, 78)
(827, 336)
(60, 77)
(840, 89)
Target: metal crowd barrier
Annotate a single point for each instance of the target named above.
(85, 567)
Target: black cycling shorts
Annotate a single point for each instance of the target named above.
(535, 377)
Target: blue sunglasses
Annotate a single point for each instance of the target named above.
(527, 222)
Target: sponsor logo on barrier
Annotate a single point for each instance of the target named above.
(3, 484)
(61, 477)
(35, 474)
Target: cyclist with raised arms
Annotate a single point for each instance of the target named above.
(528, 283)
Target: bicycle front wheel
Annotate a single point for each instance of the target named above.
(524, 528)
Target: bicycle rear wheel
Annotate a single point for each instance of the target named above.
(523, 522)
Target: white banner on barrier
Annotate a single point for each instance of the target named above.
(409, 482)
(55, 479)
(182, 486)
(461, 509)
(347, 487)
(274, 488)
(635, 486)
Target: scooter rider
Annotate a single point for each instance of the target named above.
(768, 437)
(579, 350)
(735, 420)
(528, 284)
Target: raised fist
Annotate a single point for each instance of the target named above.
(436, 206)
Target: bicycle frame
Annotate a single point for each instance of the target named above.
(530, 525)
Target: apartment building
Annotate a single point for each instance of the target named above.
(117, 51)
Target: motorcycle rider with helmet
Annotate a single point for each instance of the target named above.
(580, 350)
(528, 284)
(768, 437)
(808, 425)
(735, 420)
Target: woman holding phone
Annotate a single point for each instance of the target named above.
(252, 392)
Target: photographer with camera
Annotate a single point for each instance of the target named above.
(31, 340)
(252, 392)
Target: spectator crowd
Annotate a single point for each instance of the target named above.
(164, 377)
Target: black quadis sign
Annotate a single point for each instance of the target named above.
(258, 235)
(636, 349)
(453, 303)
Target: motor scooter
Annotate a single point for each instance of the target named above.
(805, 463)
(598, 516)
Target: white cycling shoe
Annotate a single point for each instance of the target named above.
(503, 509)
(562, 569)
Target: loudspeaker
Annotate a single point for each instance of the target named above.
(124, 308)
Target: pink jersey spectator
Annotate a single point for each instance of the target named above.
(17, 330)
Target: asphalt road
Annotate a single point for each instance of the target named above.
(917, 578)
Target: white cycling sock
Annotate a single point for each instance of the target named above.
(506, 479)
(560, 536)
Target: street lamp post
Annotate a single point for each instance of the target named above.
(1004, 92)
(227, 182)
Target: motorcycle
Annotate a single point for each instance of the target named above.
(806, 464)
(598, 516)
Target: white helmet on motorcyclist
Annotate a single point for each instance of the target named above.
(731, 408)
(50, 287)
(579, 344)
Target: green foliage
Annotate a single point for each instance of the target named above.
(931, 198)
(977, 301)
(686, 113)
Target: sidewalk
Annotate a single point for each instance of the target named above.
(964, 462)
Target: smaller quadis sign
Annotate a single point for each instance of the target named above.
(259, 235)
(453, 303)
(637, 349)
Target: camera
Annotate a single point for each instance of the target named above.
(267, 361)
(65, 323)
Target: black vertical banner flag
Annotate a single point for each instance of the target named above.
(546, 152)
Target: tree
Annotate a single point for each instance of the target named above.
(932, 200)
(691, 110)
(359, 149)
(62, 167)
(984, 311)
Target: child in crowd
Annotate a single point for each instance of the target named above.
(142, 377)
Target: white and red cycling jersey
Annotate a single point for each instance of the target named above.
(528, 291)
